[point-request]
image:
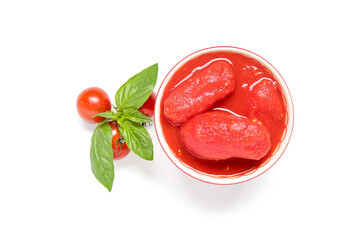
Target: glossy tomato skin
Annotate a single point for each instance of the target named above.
(148, 107)
(92, 101)
(118, 154)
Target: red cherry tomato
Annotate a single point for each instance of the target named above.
(92, 101)
(149, 106)
(120, 149)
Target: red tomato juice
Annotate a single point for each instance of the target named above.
(248, 71)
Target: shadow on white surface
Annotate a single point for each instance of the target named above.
(219, 197)
(87, 126)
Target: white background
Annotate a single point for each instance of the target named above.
(51, 50)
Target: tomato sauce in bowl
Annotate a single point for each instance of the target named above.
(249, 72)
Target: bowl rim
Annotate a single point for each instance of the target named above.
(239, 178)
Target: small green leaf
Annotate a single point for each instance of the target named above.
(101, 155)
(137, 139)
(136, 116)
(137, 89)
(107, 114)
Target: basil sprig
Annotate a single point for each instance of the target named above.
(129, 98)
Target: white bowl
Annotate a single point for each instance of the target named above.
(231, 179)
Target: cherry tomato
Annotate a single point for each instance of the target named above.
(149, 106)
(120, 149)
(92, 101)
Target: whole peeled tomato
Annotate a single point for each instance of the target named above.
(92, 101)
(148, 107)
(120, 149)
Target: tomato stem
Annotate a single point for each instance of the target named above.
(121, 141)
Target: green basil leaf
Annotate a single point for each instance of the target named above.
(137, 89)
(101, 155)
(137, 139)
(136, 116)
(107, 114)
